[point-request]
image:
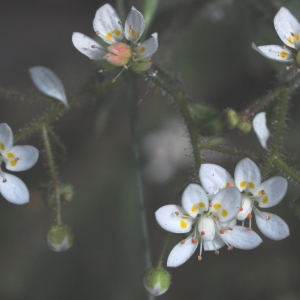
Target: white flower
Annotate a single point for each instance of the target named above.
(108, 27)
(16, 158)
(288, 29)
(260, 128)
(248, 181)
(48, 83)
(212, 223)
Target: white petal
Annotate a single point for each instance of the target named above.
(14, 189)
(213, 245)
(21, 158)
(226, 204)
(181, 253)
(147, 48)
(272, 191)
(48, 83)
(247, 175)
(88, 46)
(194, 200)
(6, 138)
(206, 227)
(275, 228)
(274, 52)
(285, 24)
(134, 25)
(107, 24)
(174, 218)
(261, 129)
(247, 208)
(214, 178)
(242, 238)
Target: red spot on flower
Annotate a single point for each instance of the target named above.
(268, 218)
(176, 213)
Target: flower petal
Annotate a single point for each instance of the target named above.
(272, 226)
(274, 52)
(88, 46)
(226, 203)
(174, 218)
(288, 28)
(134, 25)
(48, 83)
(247, 175)
(213, 245)
(194, 200)
(6, 138)
(214, 178)
(14, 189)
(271, 191)
(21, 158)
(242, 238)
(261, 129)
(181, 252)
(147, 48)
(246, 208)
(108, 25)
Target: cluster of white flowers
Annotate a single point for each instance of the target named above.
(211, 212)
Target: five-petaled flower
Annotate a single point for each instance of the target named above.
(288, 29)
(16, 158)
(247, 179)
(108, 27)
(212, 223)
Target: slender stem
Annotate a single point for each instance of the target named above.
(283, 166)
(182, 101)
(160, 260)
(53, 173)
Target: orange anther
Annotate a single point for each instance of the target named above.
(268, 218)
(241, 209)
(4, 180)
(249, 216)
(230, 248)
(216, 218)
(202, 233)
(194, 241)
(17, 158)
(222, 231)
(217, 252)
(210, 204)
(229, 183)
(182, 242)
(176, 213)
(249, 228)
(199, 257)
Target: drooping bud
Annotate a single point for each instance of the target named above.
(66, 192)
(59, 238)
(141, 65)
(244, 126)
(231, 118)
(157, 281)
(118, 54)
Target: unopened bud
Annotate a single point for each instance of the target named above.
(59, 238)
(118, 54)
(244, 126)
(66, 192)
(231, 118)
(141, 65)
(157, 281)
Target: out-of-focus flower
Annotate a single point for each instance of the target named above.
(48, 83)
(260, 128)
(212, 223)
(60, 238)
(165, 150)
(157, 281)
(108, 27)
(16, 158)
(288, 29)
(247, 179)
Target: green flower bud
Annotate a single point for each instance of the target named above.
(118, 54)
(66, 192)
(59, 238)
(157, 281)
(244, 126)
(231, 118)
(141, 65)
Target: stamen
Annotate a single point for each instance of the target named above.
(97, 32)
(216, 218)
(229, 184)
(114, 80)
(249, 216)
(139, 44)
(241, 209)
(288, 67)
(222, 231)
(194, 241)
(217, 252)
(228, 228)
(182, 242)
(210, 204)
(4, 180)
(268, 218)
(230, 248)
(249, 228)
(199, 257)
(17, 158)
(176, 213)
(202, 233)
(120, 23)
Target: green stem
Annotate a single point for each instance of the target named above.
(182, 101)
(160, 260)
(53, 173)
(283, 166)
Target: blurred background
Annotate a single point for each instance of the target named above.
(206, 45)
